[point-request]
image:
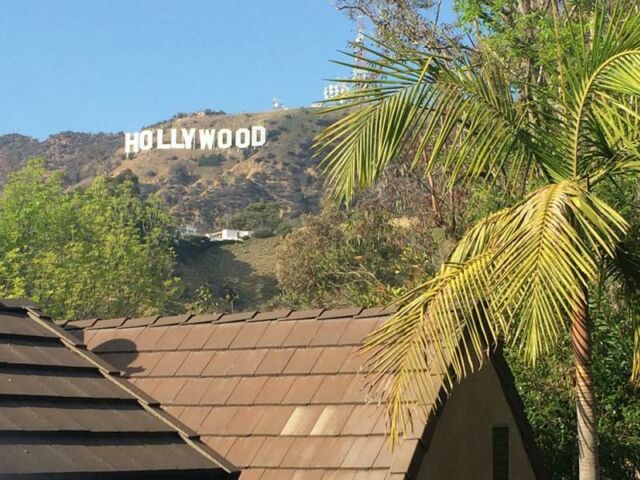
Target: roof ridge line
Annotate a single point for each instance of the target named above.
(80, 348)
(190, 318)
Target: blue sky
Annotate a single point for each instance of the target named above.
(117, 65)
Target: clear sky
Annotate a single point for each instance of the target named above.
(117, 65)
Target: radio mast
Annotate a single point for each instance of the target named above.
(334, 90)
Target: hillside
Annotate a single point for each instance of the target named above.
(200, 186)
(248, 268)
(80, 156)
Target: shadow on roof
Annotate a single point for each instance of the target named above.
(123, 360)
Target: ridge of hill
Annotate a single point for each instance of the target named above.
(201, 187)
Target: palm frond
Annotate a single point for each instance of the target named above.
(475, 126)
(547, 259)
(359, 146)
(602, 65)
(600, 225)
(425, 107)
(515, 275)
(433, 339)
(482, 237)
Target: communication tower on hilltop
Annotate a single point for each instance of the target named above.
(358, 72)
(335, 90)
(278, 105)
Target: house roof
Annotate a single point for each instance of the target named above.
(65, 413)
(277, 393)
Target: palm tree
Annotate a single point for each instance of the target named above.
(522, 275)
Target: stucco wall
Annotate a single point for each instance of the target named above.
(461, 447)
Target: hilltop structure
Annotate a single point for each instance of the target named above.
(335, 90)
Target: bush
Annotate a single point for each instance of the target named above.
(211, 160)
(257, 216)
(336, 258)
(179, 173)
(263, 233)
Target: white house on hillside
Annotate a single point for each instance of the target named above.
(229, 235)
(187, 231)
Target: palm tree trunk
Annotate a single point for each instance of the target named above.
(581, 328)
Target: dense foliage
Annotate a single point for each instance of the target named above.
(376, 251)
(339, 259)
(372, 253)
(546, 390)
(96, 251)
(536, 93)
(263, 218)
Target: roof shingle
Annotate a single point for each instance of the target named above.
(278, 392)
(63, 412)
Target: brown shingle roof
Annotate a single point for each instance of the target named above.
(276, 392)
(279, 394)
(64, 413)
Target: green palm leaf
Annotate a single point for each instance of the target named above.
(548, 257)
(423, 107)
(433, 339)
(521, 273)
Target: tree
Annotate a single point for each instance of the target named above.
(99, 251)
(262, 217)
(364, 256)
(523, 274)
(403, 21)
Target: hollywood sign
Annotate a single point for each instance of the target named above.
(190, 138)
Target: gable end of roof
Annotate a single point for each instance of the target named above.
(58, 396)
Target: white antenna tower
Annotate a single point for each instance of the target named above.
(358, 72)
(277, 104)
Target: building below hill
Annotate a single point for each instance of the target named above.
(230, 235)
(187, 231)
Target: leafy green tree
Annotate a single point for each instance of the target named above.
(523, 274)
(361, 257)
(100, 251)
(261, 217)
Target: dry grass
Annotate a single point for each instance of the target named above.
(248, 268)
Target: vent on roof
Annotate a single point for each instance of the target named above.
(501, 453)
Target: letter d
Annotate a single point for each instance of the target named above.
(258, 136)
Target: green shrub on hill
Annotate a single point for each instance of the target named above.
(263, 218)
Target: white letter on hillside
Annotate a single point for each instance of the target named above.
(131, 142)
(188, 136)
(243, 138)
(161, 145)
(258, 136)
(224, 138)
(207, 137)
(174, 140)
(146, 140)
